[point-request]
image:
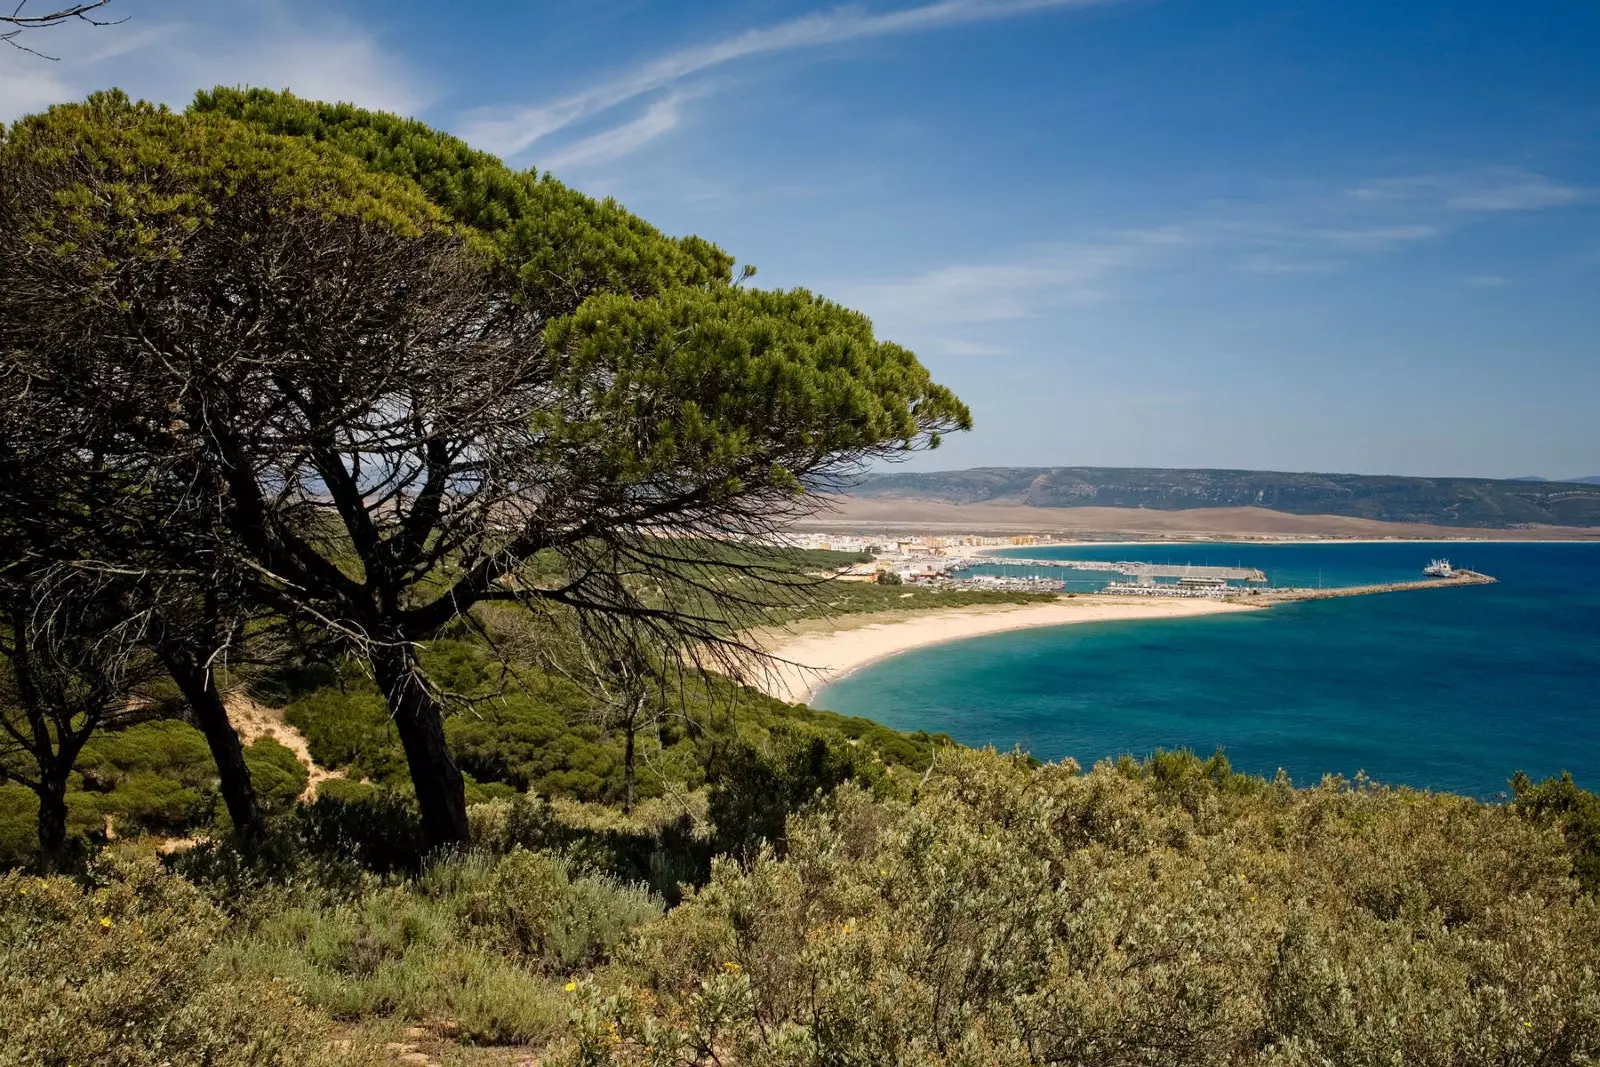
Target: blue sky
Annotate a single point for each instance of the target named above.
(1359, 236)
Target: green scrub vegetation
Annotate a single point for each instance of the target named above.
(994, 910)
(466, 473)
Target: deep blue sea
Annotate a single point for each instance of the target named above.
(1450, 689)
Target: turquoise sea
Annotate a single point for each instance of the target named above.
(1450, 689)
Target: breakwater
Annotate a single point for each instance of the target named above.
(1273, 596)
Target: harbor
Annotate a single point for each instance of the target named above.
(1137, 578)
(1132, 569)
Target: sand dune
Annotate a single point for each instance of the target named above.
(932, 517)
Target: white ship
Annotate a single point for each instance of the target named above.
(1439, 568)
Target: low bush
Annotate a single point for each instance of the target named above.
(484, 942)
(1575, 812)
(1017, 914)
(660, 845)
(276, 773)
(535, 907)
(122, 974)
(156, 777)
(377, 829)
(757, 789)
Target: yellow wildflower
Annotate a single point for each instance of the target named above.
(572, 987)
(106, 923)
(732, 967)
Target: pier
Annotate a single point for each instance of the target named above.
(1278, 596)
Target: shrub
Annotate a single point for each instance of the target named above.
(1018, 914)
(478, 940)
(396, 954)
(1576, 812)
(348, 726)
(276, 773)
(19, 836)
(379, 830)
(157, 777)
(758, 788)
(120, 975)
(535, 907)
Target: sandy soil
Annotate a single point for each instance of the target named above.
(817, 651)
(253, 721)
(933, 517)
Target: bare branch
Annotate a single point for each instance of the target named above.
(19, 22)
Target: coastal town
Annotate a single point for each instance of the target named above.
(966, 561)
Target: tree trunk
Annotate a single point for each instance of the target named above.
(441, 791)
(52, 793)
(199, 687)
(627, 769)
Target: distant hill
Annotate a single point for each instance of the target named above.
(1592, 479)
(1480, 502)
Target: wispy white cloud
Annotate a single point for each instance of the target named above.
(24, 91)
(339, 66)
(199, 45)
(661, 117)
(964, 294)
(511, 130)
(1493, 189)
(925, 307)
(1316, 234)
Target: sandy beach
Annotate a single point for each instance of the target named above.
(817, 651)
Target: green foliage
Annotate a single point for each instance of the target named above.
(535, 907)
(757, 790)
(377, 829)
(660, 845)
(121, 974)
(534, 731)
(157, 777)
(541, 229)
(348, 726)
(19, 837)
(140, 180)
(1576, 812)
(806, 371)
(276, 774)
(478, 940)
(1019, 914)
(824, 559)
(853, 598)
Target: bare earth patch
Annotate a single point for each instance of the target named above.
(254, 720)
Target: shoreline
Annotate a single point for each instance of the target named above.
(814, 652)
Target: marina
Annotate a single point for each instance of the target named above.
(1132, 569)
